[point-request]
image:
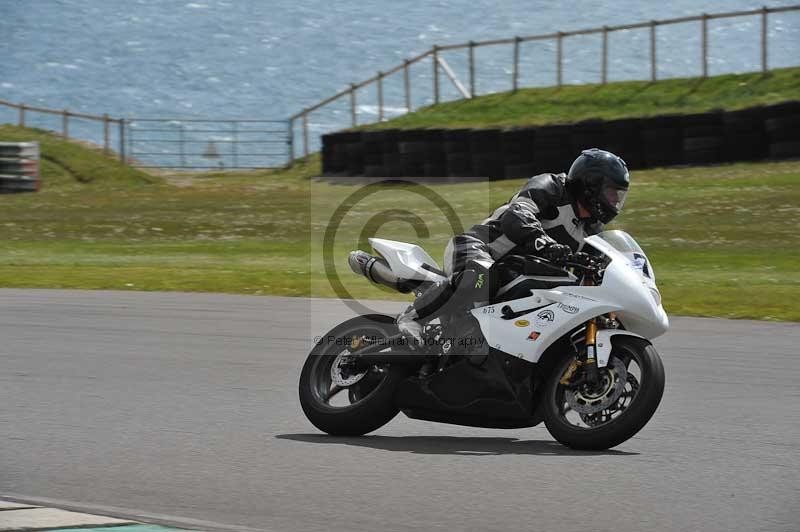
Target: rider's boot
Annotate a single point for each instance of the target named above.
(425, 308)
(470, 285)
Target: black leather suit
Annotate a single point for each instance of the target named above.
(540, 214)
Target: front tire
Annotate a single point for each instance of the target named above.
(622, 419)
(371, 398)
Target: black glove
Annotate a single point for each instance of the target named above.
(584, 259)
(591, 265)
(555, 253)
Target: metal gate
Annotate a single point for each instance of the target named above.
(208, 144)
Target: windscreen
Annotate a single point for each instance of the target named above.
(623, 242)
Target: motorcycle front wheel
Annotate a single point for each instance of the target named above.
(342, 401)
(603, 416)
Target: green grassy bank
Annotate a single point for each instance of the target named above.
(723, 239)
(630, 99)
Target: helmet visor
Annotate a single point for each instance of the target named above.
(615, 196)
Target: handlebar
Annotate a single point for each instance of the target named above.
(534, 265)
(592, 267)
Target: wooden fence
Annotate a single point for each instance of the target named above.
(67, 115)
(439, 65)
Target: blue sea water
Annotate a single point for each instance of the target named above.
(270, 59)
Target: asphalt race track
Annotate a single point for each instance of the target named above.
(184, 407)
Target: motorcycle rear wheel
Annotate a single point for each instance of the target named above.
(371, 398)
(624, 417)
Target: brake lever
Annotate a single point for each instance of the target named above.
(593, 270)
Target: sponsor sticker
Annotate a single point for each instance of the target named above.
(534, 336)
(569, 309)
(522, 323)
(545, 318)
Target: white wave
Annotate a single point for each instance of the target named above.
(6, 85)
(69, 66)
(373, 110)
(193, 5)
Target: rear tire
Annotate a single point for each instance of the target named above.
(638, 412)
(373, 406)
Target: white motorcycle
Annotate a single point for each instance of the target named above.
(567, 346)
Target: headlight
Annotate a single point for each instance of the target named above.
(656, 295)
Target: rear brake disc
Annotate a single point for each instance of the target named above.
(340, 368)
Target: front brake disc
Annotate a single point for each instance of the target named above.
(612, 383)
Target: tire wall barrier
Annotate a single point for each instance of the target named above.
(19, 167)
(767, 132)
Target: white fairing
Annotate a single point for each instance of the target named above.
(406, 260)
(628, 289)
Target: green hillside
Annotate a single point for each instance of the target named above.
(614, 100)
(66, 163)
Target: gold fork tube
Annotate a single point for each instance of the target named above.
(591, 332)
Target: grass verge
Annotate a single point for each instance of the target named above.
(723, 239)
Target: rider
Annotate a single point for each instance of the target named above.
(548, 218)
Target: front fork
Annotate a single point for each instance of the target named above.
(589, 361)
(592, 373)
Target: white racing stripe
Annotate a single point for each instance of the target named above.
(68, 513)
(15, 517)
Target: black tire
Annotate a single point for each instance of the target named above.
(374, 170)
(19, 185)
(373, 159)
(658, 159)
(703, 131)
(701, 120)
(367, 414)
(456, 140)
(435, 170)
(699, 157)
(587, 134)
(459, 165)
(489, 165)
(412, 147)
(784, 150)
(701, 143)
(782, 109)
(484, 141)
(785, 128)
(629, 422)
(519, 140)
(519, 171)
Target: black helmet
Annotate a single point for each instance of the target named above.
(600, 180)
